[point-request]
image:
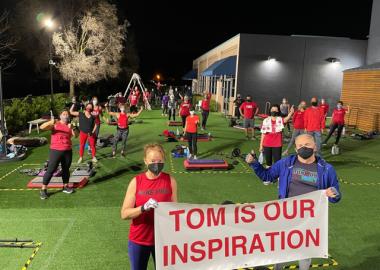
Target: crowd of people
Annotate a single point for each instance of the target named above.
(296, 174)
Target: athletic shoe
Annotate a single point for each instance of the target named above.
(80, 160)
(266, 183)
(122, 154)
(67, 190)
(253, 138)
(94, 160)
(324, 144)
(43, 194)
(190, 157)
(202, 129)
(113, 155)
(195, 157)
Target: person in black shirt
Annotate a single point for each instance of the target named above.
(87, 128)
(237, 102)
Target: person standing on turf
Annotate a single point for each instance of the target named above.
(271, 135)
(144, 193)
(122, 130)
(284, 109)
(298, 125)
(249, 109)
(325, 109)
(300, 174)
(87, 128)
(172, 106)
(191, 133)
(97, 112)
(184, 110)
(165, 101)
(337, 122)
(205, 106)
(314, 123)
(60, 151)
(237, 102)
(133, 100)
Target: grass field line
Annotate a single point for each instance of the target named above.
(59, 243)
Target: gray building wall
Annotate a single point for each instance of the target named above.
(373, 53)
(300, 71)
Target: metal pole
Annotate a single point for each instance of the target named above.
(4, 139)
(51, 72)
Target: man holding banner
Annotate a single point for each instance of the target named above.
(300, 174)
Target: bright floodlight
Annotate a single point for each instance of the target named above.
(49, 23)
(271, 59)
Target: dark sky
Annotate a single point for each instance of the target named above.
(170, 34)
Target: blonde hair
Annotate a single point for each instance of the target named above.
(154, 146)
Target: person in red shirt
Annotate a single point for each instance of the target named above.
(314, 120)
(97, 112)
(120, 99)
(205, 106)
(133, 100)
(184, 110)
(271, 134)
(325, 109)
(144, 193)
(337, 122)
(60, 151)
(190, 131)
(122, 129)
(298, 125)
(249, 109)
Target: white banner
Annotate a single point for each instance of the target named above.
(199, 236)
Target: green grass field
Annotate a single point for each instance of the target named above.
(84, 230)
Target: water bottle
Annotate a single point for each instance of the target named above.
(177, 132)
(185, 152)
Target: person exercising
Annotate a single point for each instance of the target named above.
(60, 151)
(87, 128)
(205, 107)
(337, 122)
(144, 194)
(298, 125)
(191, 132)
(122, 130)
(184, 110)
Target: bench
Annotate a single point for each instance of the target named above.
(37, 123)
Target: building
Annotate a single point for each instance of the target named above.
(271, 67)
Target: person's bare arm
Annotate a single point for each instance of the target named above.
(291, 112)
(128, 210)
(48, 125)
(257, 111)
(72, 112)
(134, 115)
(94, 129)
(261, 142)
(174, 189)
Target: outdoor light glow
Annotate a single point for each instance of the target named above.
(49, 23)
(158, 76)
(271, 59)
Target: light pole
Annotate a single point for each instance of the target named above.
(49, 24)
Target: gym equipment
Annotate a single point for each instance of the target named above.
(57, 172)
(204, 164)
(86, 169)
(174, 123)
(179, 151)
(335, 150)
(56, 182)
(105, 140)
(200, 138)
(136, 79)
(13, 153)
(28, 141)
(17, 243)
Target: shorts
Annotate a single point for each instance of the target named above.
(249, 123)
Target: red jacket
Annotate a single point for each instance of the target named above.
(314, 119)
(298, 119)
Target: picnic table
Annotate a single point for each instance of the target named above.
(37, 123)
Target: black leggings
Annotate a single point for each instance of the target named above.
(272, 153)
(183, 120)
(192, 138)
(56, 157)
(172, 114)
(333, 127)
(204, 118)
(165, 109)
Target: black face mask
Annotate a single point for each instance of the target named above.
(314, 103)
(248, 99)
(274, 113)
(305, 152)
(155, 168)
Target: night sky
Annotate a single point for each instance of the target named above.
(170, 34)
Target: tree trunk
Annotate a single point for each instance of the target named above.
(72, 91)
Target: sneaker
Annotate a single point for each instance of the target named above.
(122, 154)
(67, 190)
(266, 183)
(43, 194)
(202, 129)
(94, 160)
(80, 160)
(324, 144)
(195, 157)
(190, 157)
(113, 155)
(253, 138)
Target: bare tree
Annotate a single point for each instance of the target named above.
(90, 49)
(7, 42)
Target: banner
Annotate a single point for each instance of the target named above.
(199, 236)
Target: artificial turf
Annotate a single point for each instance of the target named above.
(84, 230)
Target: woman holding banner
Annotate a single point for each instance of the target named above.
(144, 193)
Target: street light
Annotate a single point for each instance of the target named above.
(50, 25)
